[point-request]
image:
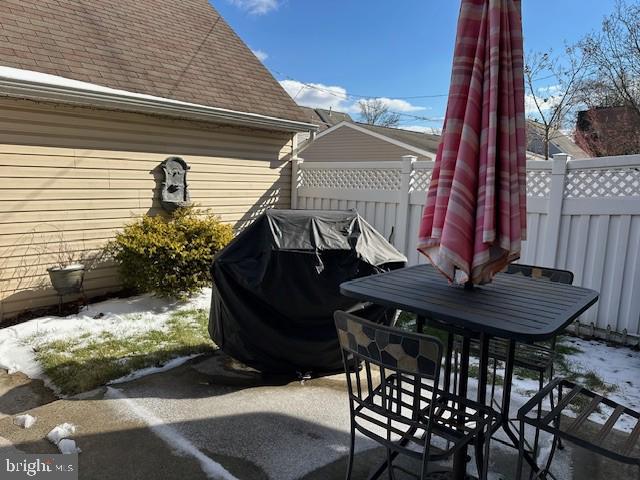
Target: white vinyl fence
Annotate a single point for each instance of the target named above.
(582, 215)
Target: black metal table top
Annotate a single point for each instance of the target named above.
(512, 306)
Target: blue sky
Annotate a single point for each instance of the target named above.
(383, 48)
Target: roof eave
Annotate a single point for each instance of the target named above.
(158, 106)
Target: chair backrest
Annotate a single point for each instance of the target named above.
(408, 365)
(388, 347)
(551, 274)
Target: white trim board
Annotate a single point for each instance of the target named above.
(32, 85)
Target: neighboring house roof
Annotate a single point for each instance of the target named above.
(424, 141)
(175, 50)
(325, 119)
(407, 139)
(560, 143)
(427, 144)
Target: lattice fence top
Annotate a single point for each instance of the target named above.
(538, 183)
(598, 183)
(351, 178)
(584, 183)
(422, 179)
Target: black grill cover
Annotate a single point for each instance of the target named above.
(276, 286)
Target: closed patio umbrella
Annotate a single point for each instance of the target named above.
(475, 216)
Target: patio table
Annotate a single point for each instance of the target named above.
(512, 307)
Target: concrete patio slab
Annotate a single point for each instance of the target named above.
(210, 414)
(113, 446)
(19, 393)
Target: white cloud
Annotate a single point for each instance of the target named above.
(318, 95)
(401, 106)
(256, 7)
(262, 56)
(547, 97)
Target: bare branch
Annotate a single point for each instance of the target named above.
(374, 112)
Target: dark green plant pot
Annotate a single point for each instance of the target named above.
(67, 280)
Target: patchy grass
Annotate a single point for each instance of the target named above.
(525, 373)
(85, 362)
(593, 382)
(564, 349)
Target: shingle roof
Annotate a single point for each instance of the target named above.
(325, 118)
(183, 50)
(560, 143)
(425, 141)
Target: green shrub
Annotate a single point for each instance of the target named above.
(169, 257)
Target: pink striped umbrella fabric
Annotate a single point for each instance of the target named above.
(475, 216)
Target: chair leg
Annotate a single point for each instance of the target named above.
(351, 451)
(545, 472)
(493, 381)
(455, 371)
(520, 452)
(447, 363)
(551, 398)
(539, 413)
(484, 475)
(390, 465)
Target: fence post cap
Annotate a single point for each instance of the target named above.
(559, 165)
(407, 162)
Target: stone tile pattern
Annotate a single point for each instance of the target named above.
(183, 50)
(394, 349)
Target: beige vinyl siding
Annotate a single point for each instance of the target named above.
(84, 173)
(348, 145)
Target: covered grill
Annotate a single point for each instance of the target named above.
(276, 287)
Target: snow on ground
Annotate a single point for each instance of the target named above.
(24, 421)
(64, 430)
(121, 317)
(176, 362)
(60, 437)
(616, 366)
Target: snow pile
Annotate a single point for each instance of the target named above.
(63, 430)
(24, 421)
(121, 317)
(59, 436)
(171, 364)
(68, 447)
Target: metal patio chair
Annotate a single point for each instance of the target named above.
(535, 357)
(571, 395)
(395, 400)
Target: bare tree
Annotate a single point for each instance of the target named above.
(554, 101)
(374, 112)
(613, 54)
